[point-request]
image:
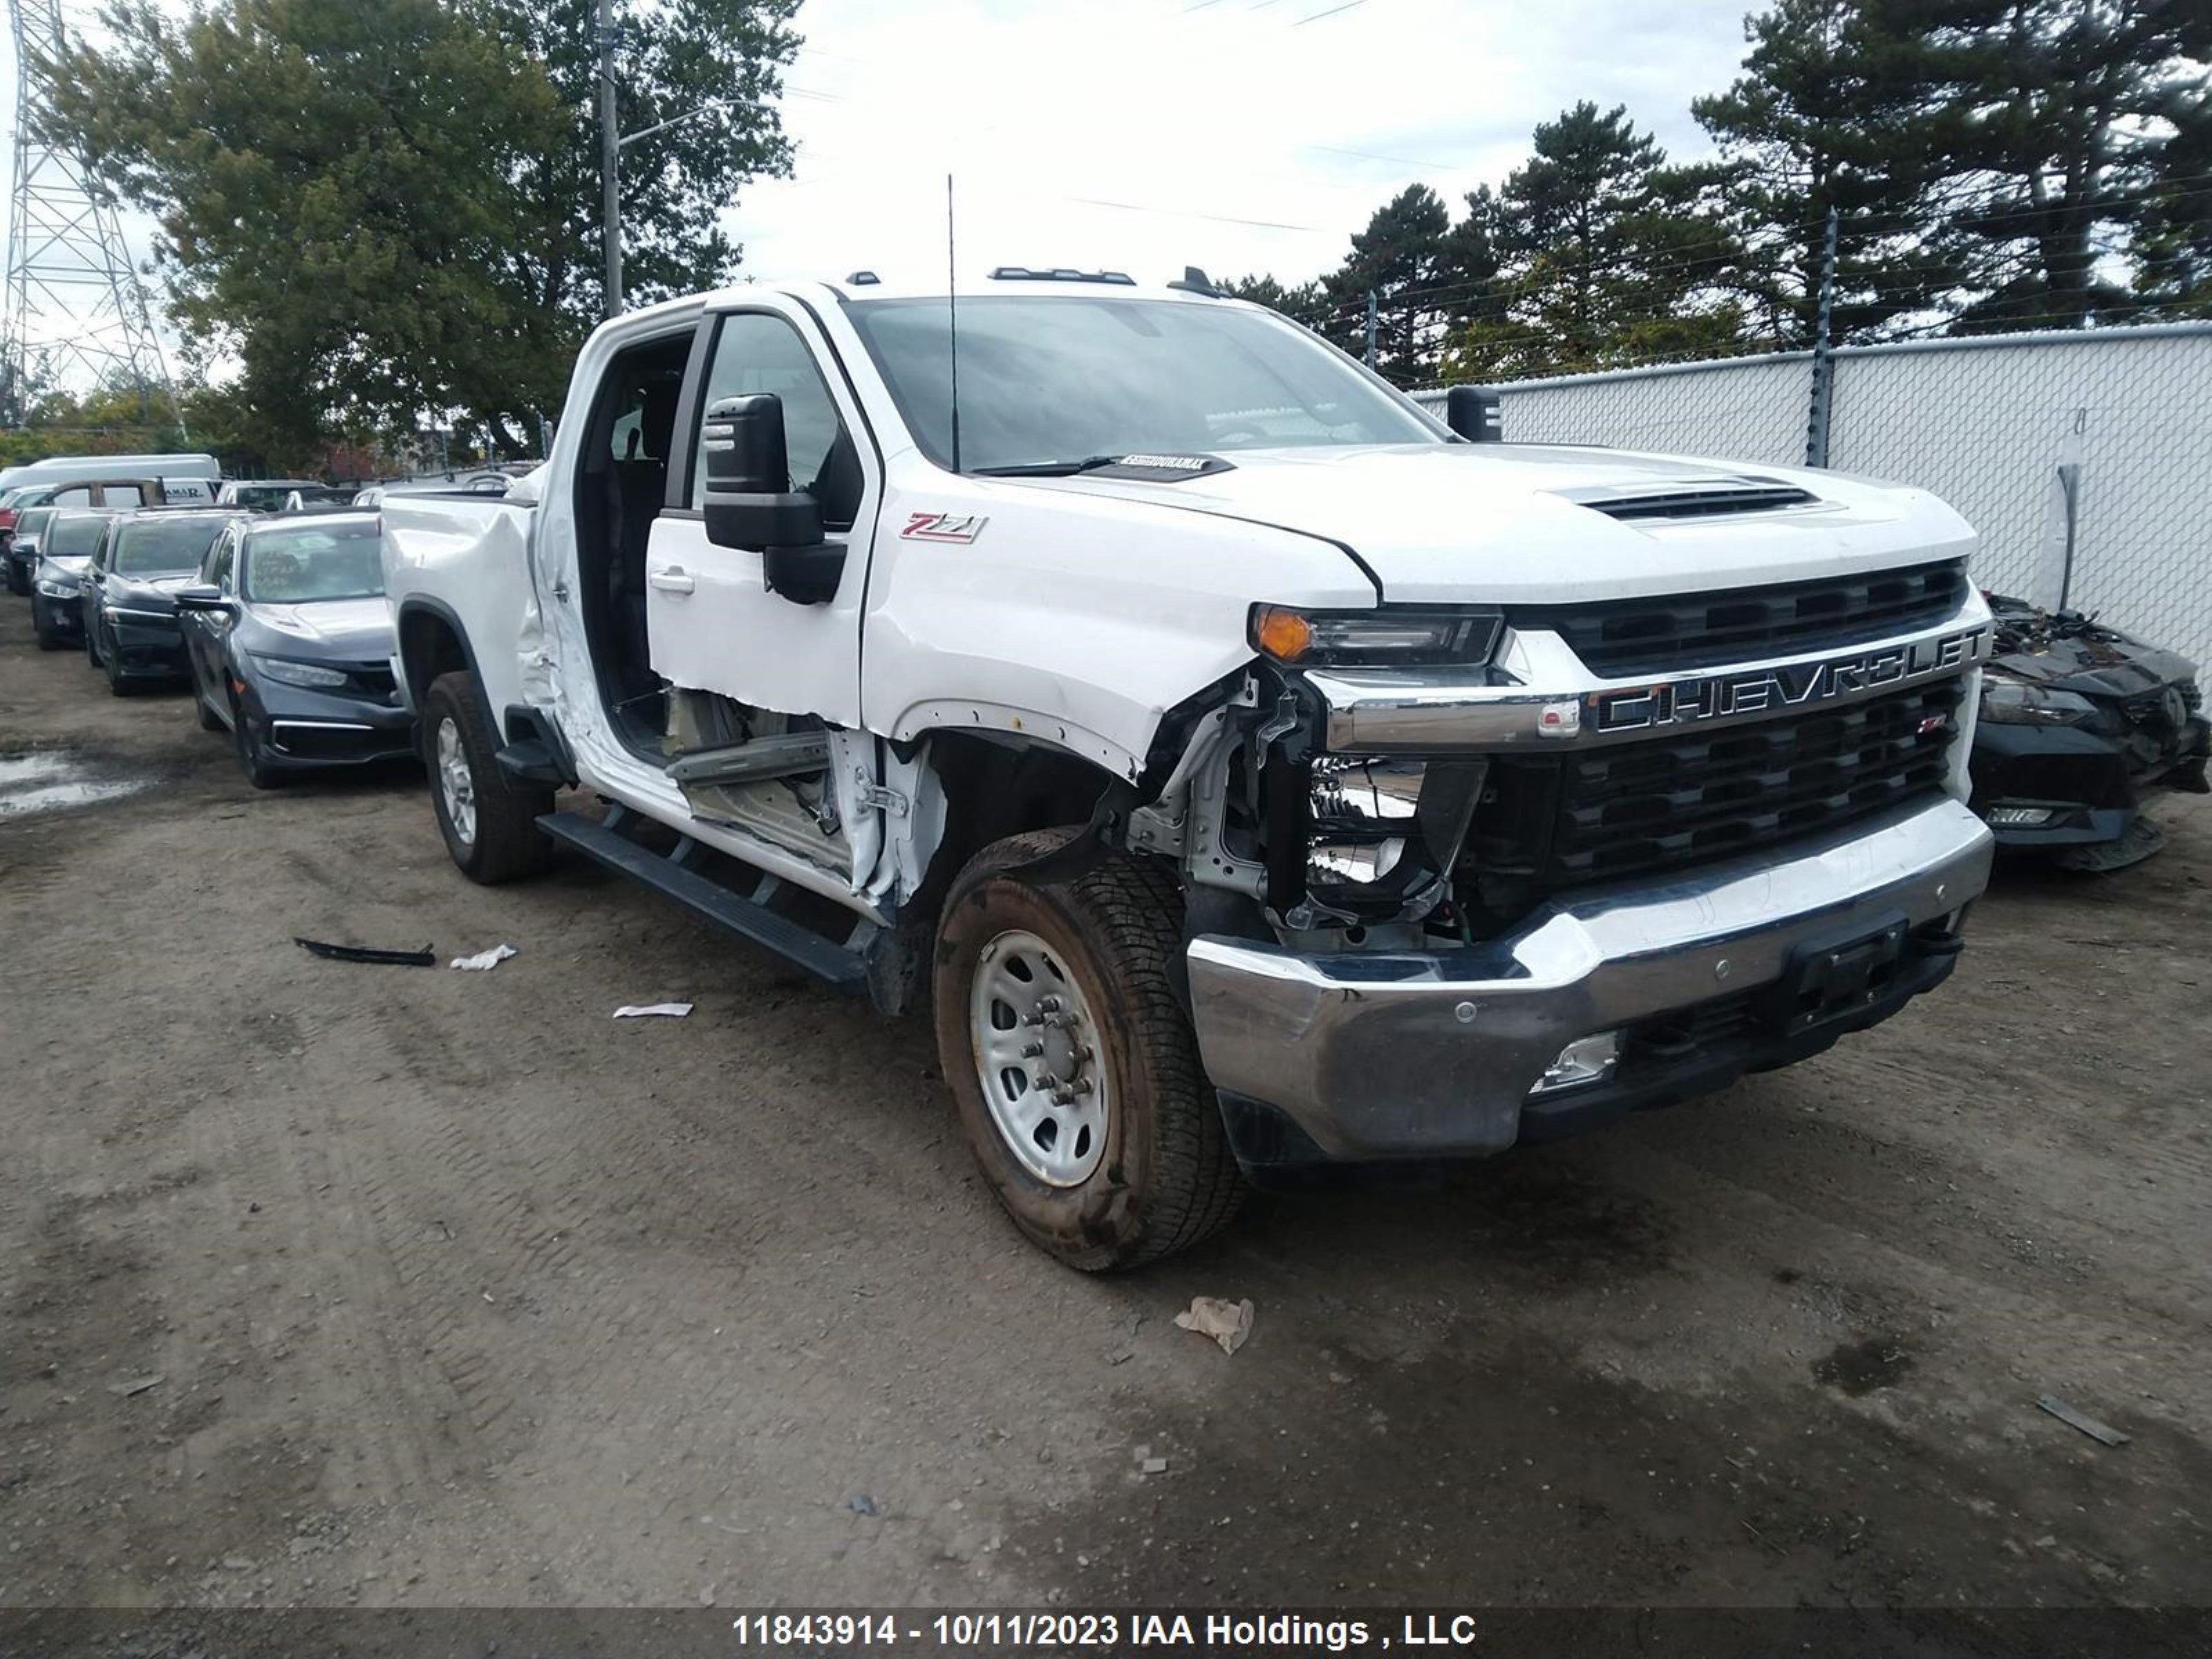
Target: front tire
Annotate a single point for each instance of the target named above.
(209, 720)
(49, 640)
(118, 684)
(261, 768)
(491, 826)
(1074, 1066)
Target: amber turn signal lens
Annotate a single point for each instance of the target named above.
(1283, 634)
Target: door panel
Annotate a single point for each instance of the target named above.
(711, 624)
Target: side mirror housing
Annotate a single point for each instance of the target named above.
(1475, 413)
(200, 598)
(749, 503)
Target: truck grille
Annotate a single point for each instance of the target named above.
(1674, 801)
(1621, 639)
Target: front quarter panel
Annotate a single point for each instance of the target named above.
(1076, 621)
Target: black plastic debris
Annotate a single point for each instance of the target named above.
(425, 958)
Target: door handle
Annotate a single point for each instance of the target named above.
(671, 580)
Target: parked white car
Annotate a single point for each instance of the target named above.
(1251, 772)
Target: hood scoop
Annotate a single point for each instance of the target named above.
(1696, 499)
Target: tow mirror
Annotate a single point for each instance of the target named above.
(750, 502)
(1475, 413)
(200, 599)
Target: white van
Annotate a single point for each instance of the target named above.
(182, 478)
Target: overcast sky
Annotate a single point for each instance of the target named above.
(1239, 135)
(1127, 134)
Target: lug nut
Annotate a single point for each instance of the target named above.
(1049, 1005)
(1031, 1050)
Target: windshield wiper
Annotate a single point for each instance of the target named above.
(1047, 469)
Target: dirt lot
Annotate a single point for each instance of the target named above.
(323, 1284)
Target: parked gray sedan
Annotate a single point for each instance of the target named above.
(289, 641)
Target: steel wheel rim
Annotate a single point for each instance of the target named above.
(1036, 1047)
(456, 783)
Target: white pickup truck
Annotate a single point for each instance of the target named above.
(1252, 772)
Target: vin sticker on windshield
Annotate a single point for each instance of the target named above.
(961, 527)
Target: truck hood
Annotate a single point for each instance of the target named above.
(1520, 523)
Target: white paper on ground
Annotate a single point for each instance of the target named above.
(484, 960)
(640, 1011)
(1227, 1322)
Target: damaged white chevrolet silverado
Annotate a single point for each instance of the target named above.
(1252, 773)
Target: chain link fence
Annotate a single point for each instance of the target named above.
(2084, 459)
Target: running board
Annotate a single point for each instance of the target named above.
(707, 898)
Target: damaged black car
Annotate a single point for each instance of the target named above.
(2080, 727)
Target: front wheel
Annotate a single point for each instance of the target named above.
(260, 767)
(49, 637)
(490, 827)
(1074, 1068)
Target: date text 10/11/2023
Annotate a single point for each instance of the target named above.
(995, 1628)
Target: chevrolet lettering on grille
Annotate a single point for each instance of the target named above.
(1794, 686)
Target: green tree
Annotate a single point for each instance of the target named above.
(1406, 257)
(2173, 244)
(1830, 113)
(1609, 257)
(383, 212)
(2058, 122)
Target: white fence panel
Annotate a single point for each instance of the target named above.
(2110, 431)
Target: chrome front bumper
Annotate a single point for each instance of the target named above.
(1433, 1054)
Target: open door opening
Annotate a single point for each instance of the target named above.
(622, 485)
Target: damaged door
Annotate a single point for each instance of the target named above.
(765, 690)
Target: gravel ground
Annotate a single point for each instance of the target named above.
(325, 1285)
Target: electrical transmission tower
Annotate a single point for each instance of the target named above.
(76, 311)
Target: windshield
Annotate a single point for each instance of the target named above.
(152, 547)
(299, 565)
(31, 523)
(1064, 379)
(73, 535)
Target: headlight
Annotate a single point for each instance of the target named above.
(285, 671)
(2009, 702)
(54, 590)
(1373, 638)
(1382, 834)
(1363, 814)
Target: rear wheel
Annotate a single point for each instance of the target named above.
(491, 826)
(1074, 1066)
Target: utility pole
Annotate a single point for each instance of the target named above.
(609, 160)
(1824, 359)
(1370, 328)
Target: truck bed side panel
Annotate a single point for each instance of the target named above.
(468, 561)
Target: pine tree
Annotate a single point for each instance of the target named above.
(1401, 258)
(1828, 114)
(1609, 257)
(2057, 120)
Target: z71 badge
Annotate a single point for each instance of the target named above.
(961, 527)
